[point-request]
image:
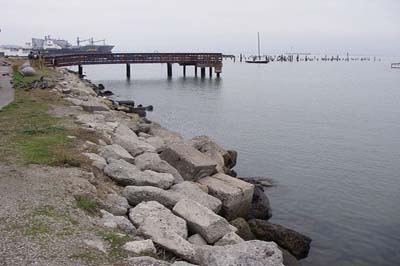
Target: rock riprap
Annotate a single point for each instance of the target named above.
(189, 162)
(202, 220)
(236, 195)
(115, 152)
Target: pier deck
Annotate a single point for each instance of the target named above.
(201, 60)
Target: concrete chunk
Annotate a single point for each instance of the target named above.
(136, 195)
(236, 195)
(202, 220)
(229, 239)
(189, 162)
(115, 152)
(139, 247)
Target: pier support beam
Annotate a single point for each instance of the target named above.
(169, 70)
(203, 72)
(80, 71)
(128, 71)
(184, 70)
(218, 75)
(211, 69)
(195, 71)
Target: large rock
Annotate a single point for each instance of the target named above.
(156, 222)
(127, 174)
(120, 222)
(115, 204)
(168, 136)
(202, 220)
(152, 161)
(133, 145)
(250, 253)
(243, 229)
(193, 192)
(28, 71)
(229, 239)
(197, 239)
(260, 205)
(289, 259)
(140, 247)
(189, 162)
(115, 152)
(169, 198)
(236, 195)
(94, 104)
(97, 161)
(182, 263)
(206, 145)
(294, 242)
(124, 130)
(136, 195)
(157, 142)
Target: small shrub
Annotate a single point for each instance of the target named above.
(87, 203)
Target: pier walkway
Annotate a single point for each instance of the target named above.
(6, 89)
(213, 61)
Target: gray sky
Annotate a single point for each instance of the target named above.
(320, 26)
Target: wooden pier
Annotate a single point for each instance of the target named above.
(213, 61)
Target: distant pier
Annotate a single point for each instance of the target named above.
(213, 61)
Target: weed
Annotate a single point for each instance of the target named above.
(87, 203)
(116, 242)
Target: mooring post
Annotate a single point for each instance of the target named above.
(218, 75)
(169, 70)
(195, 71)
(211, 69)
(128, 70)
(184, 70)
(203, 72)
(80, 71)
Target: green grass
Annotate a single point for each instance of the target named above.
(88, 204)
(37, 229)
(116, 241)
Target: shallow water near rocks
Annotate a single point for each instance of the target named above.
(327, 133)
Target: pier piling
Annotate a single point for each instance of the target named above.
(80, 71)
(203, 72)
(169, 70)
(195, 71)
(128, 71)
(184, 70)
(211, 69)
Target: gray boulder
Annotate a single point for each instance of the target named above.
(168, 136)
(250, 253)
(202, 220)
(260, 205)
(116, 152)
(156, 222)
(152, 161)
(197, 239)
(236, 195)
(229, 239)
(182, 263)
(97, 161)
(28, 71)
(206, 145)
(136, 195)
(189, 162)
(294, 242)
(94, 104)
(115, 204)
(243, 229)
(193, 192)
(146, 261)
(127, 174)
(133, 145)
(120, 222)
(157, 142)
(140, 247)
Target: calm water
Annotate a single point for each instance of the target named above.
(328, 133)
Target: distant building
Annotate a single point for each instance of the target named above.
(15, 50)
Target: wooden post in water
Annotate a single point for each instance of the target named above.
(128, 71)
(203, 72)
(169, 70)
(211, 69)
(195, 71)
(184, 70)
(80, 71)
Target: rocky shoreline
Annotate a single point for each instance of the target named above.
(181, 196)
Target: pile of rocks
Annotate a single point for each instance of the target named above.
(177, 194)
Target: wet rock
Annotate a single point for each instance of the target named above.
(289, 259)
(243, 229)
(116, 152)
(250, 253)
(127, 174)
(230, 158)
(236, 195)
(229, 239)
(189, 162)
(115, 204)
(140, 247)
(260, 205)
(197, 239)
(160, 225)
(297, 244)
(120, 222)
(202, 220)
(152, 161)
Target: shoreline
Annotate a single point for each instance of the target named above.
(155, 168)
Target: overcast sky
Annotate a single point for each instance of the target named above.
(230, 26)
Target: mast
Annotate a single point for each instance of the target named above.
(259, 55)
